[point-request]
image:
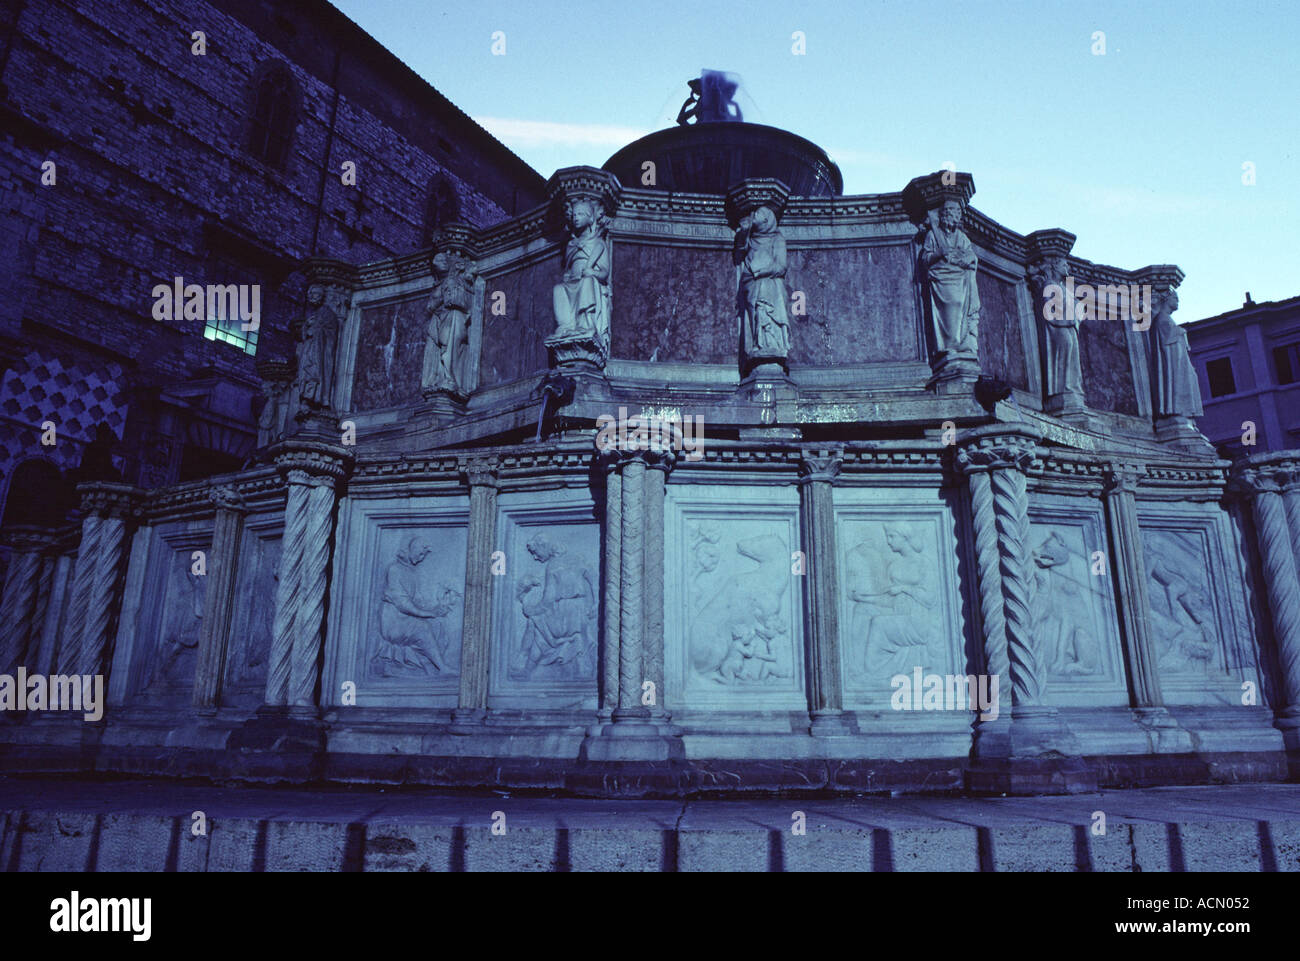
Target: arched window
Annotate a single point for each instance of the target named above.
(38, 495)
(442, 207)
(275, 115)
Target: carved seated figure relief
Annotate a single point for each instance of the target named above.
(414, 637)
(894, 606)
(581, 299)
(740, 636)
(1182, 615)
(178, 646)
(1060, 608)
(558, 602)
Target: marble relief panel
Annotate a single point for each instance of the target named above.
(397, 606)
(1199, 625)
(734, 606)
(1073, 618)
(548, 603)
(164, 650)
(249, 646)
(899, 593)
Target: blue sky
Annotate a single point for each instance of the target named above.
(1139, 151)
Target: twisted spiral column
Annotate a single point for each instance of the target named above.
(1010, 508)
(1264, 478)
(102, 598)
(78, 603)
(613, 588)
(989, 572)
(21, 601)
(312, 469)
(632, 610)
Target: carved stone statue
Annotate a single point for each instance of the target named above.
(1177, 391)
(1064, 377)
(560, 610)
(318, 345)
(1181, 614)
(581, 298)
(446, 351)
(413, 637)
(948, 264)
(271, 421)
(761, 295)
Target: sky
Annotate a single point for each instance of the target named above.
(1139, 150)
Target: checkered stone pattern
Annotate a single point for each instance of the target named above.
(75, 396)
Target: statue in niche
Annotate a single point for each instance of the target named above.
(413, 637)
(1181, 615)
(1064, 375)
(948, 264)
(740, 636)
(179, 645)
(1058, 603)
(446, 350)
(318, 345)
(1177, 389)
(762, 299)
(892, 614)
(559, 609)
(273, 417)
(581, 298)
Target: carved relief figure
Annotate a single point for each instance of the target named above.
(318, 347)
(764, 317)
(446, 351)
(707, 555)
(179, 644)
(1064, 374)
(948, 263)
(261, 616)
(581, 298)
(741, 635)
(271, 421)
(1060, 612)
(893, 609)
(414, 638)
(559, 608)
(1177, 390)
(1183, 622)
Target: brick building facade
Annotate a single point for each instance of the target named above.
(224, 166)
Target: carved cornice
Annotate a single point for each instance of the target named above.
(1123, 477)
(330, 272)
(1161, 277)
(28, 539)
(1048, 244)
(455, 238)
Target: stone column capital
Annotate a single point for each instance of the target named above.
(311, 462)
(109, 499)
(584, 183)
(821, 466)
(1275, 472)
(1122, 478)
(656, 455)
(997, 447)
(481, 472)
(225, 497)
